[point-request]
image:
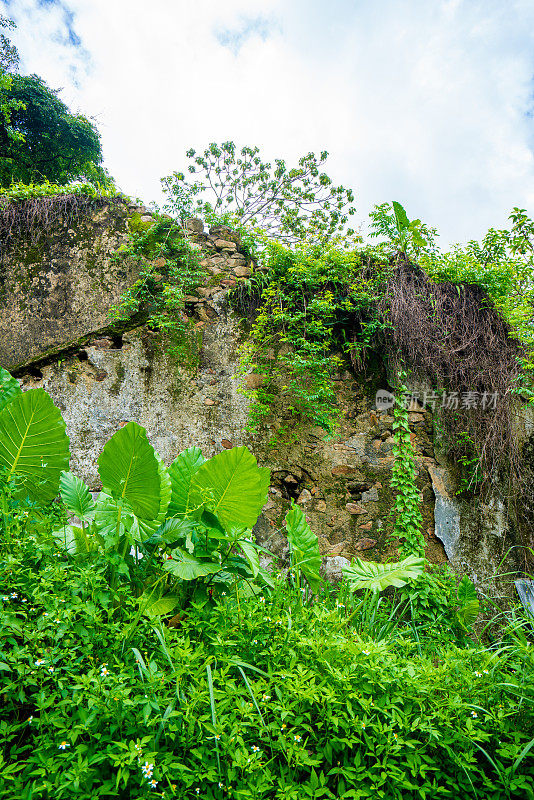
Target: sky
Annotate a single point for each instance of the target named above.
(428, 102)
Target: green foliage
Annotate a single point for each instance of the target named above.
(390, 222)
(469, 602)
(170, 271)
(17, 192)
(287, 204)
(34, 447)
(287, 700)
(408, 520)
(9, 388)
(129, 470)
(232, 487)
(376, 577)
(503, 265)
(52, 144)
(305, 304)
(305, 557)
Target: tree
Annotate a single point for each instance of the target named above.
(288, 204)
(41, 140)
(9, 61)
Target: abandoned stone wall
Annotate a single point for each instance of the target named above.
(55, 333)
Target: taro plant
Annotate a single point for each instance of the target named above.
(305, 558)
(197, 515)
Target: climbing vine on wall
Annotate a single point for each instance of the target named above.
(170, 272)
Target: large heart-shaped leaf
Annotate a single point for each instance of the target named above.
(469, 602)
(33, 443)
(129, 470)
(375, 576)
(181, 472)
(305, 546)
(187, 567)
(76, 496)
(232, 486)
(149, 526)
(9, 388)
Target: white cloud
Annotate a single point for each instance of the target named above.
(421, 102)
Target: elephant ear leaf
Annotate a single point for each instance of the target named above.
(469, 602)
(9, 388)
(376, 577)
(181, 473)
(232, 486)
(305, 546)
(33, 443)
(76, 496)
(129, 469)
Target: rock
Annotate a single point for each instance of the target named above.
(290, 480)
(342, 470)
(221, 244)
(415, 417)
(224, 232)
(228, 283)
(355, 508)
(320, 506)
(209, 402)
(254, 380)
(371, 496)
(336, 549)
(304, 497)
(365, 544)
(194, 225)
(366, 526)
(332, 568)
(159, 263)
(227, 444)
(242, 272)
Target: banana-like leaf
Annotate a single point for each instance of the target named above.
(9, 388)
(76, 496)
(401, 218)
(129, 470)
(375, 576)
(33, 443)
(305, 546)
(181, 472)
(187, 567)
(74, 540)
(232, 486)
(469, 602)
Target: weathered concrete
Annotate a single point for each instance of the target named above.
(61, 287)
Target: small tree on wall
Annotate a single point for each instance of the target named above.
(288, 204)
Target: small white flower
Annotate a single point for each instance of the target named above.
(223, 594)
(30, 720)
(51, 669)
(255, 748)
(478, 674)
(366, 652)
(297, 738)
(218, 736)
(153, 783)
(13, 595)
(63, 745)
(254, 641)
(266, 698)
(485, 671)
(104, 672)
(474, 714)
(261, 599)
(39, 662)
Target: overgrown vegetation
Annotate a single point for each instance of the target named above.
(211, 678)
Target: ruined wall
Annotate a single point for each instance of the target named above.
(101, 380)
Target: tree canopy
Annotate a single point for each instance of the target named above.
(43, 140)
(288, 204)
